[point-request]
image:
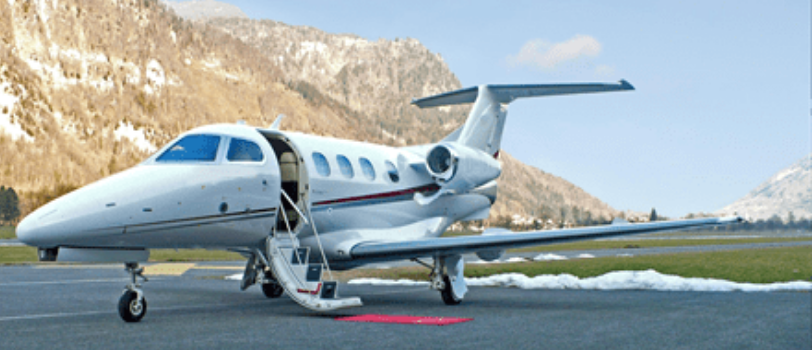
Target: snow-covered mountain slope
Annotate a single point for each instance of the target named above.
(789, 190)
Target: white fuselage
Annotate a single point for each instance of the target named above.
(233, 204)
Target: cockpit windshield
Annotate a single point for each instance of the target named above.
(192, 148)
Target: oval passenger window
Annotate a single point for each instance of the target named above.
(367, 169)
(322, 167)
(345, 166)
(392, 171)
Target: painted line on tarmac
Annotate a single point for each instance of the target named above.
(167, 269)
(214, 267)
(105, 280)
(34, 283)
(90, 313)
(57, 315)
(72, 266)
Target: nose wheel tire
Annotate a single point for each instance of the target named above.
(271, 287)
(448, 294)
(131, 308)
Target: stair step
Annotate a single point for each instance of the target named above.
(303, 281)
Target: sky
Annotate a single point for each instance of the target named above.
(722, 99)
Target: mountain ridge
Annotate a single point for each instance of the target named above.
(788, 190)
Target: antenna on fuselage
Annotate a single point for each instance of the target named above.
(275, 125)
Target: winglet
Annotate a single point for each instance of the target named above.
(625, 85)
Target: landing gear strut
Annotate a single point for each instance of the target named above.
(133, 305)
(270, 286)
(447, 277)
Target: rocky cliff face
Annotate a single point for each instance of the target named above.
(91, 87)
(789, 190)
(205, 9)
(376, 78)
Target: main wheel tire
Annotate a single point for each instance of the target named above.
(448, 294)
(272, 289)
(130, 308)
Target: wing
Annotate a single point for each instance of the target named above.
(468, 244)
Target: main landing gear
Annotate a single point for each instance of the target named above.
(447, 277)
(133, 305)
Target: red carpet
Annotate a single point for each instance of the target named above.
(425, 320)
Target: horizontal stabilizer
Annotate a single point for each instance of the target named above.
(508, 93)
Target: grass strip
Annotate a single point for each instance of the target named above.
(7, 232)
(17, 255)
(190, 255)
(751, 265)
(652, 243)
(23, 255)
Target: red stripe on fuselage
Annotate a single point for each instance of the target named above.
(426, 188)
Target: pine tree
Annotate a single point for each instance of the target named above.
(13, 206)
(5, 203)
(653, 216)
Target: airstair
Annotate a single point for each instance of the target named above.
(302, 280)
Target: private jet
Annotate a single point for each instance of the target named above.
(299, 206)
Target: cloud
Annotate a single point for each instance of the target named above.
(604, 70)
(541, 54)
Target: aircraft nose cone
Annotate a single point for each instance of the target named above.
(26, 231)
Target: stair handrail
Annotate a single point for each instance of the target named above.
(318, 241)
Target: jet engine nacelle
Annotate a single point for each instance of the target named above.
(460, 168)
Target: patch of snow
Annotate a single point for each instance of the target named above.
(133, 75)
(549, 257)
(349, 41)
(72, 54)
(135, 136)
(212, 63)
(784, 173)
(618, 280)
(155, 74)
(514, 259)
(187, 61)
(311, 46)
(42, 10)
(585, 256)
(7, 103)
(173, 36)
(382, 282)
(148, 90)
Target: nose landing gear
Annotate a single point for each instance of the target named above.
(133, 305)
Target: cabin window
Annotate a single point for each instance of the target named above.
(240, 150)
(392, 171)
(345, 166)
(322, 167)
(367, 169)
(192, 148)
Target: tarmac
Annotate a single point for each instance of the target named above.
(191, 306)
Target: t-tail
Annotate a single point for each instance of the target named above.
(466, 159)
(483, 128)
